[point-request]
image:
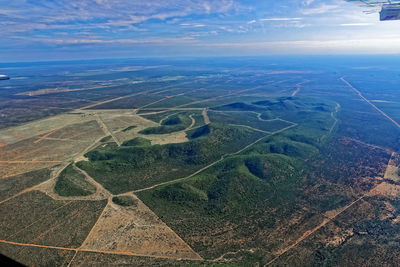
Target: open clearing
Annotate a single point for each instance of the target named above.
(24, 131)
(393, 169)
(138, 230)
(8, 170)
(119, 120)
(50, 149)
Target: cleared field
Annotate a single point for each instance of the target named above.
(86, 131)
(49, 149)
(125, 125)
(386, 190)
(136, 229)
(117, 120)
(393, 168)
(163, 139)
(31, 129)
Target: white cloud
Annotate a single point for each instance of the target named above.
(308, 2)
(194, 25)
(322, 9)
(281, 19)
(352, 46)
(207, 7)
(355, 24)
(97, 40)
(106, 13)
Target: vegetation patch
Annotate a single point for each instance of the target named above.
(163, 129)
(248, 119)
(158, 114)
(106, 139)
(126, 168)
(125, 201)
(239, 106)
(283, 144)
(237, 193)
(137, 141)
(70, 182)
(174, 123)
(199, 132)
(129, 128)
(173, 120)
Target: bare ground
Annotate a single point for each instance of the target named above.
(136, 229)
(392, 171)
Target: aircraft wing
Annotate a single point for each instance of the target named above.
(388, 9)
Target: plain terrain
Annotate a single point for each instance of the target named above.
(288, 161)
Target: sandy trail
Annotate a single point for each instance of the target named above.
(205, 116)
(298, 87)
(370, 145)
(99, 187)
(251, 128)
(83, 250)
(30, 161)
(104, 127)
(154, 91)
(217, 97)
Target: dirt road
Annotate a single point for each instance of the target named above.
(370, 103)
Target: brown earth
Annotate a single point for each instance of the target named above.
(138, 230)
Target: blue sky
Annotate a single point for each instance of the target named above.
(80, 29)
